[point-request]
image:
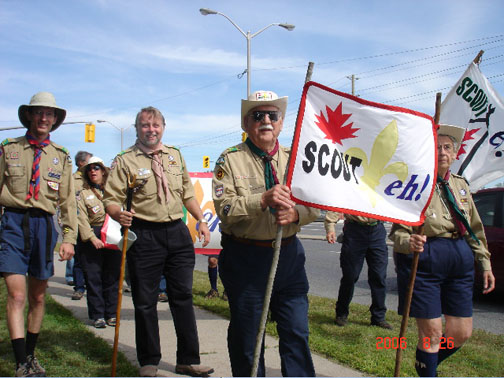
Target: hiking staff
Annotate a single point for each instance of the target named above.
(129, 198)
(414, 267)
(276, 255)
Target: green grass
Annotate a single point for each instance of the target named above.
(355, 345)
(66, 348)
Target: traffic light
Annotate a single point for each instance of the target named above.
(89, 136)
(206, 161)
(244, 136)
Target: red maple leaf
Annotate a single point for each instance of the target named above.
(333, 127)
(467, 136)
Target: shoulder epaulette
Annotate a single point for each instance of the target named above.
(175, 148)
(7, 141)
(60, 148)
(460, 178)
(233, 149)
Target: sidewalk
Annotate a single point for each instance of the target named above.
(212, 332)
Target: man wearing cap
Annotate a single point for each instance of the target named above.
(453, 240)
(363, 238)
(164, 244)
(35, 176)
(251, 203)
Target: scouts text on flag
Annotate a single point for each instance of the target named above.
(474, 104)
(362, 158)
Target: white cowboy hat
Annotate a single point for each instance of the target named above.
(259, 98)
(94, 160)
(42, 99)
(456, 132)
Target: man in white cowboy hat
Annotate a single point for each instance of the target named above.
(453, 240)
(35, 177)
(164, 245)
(251, 202)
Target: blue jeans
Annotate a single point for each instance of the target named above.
(244, 271)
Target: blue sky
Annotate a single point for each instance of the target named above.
(104, 60)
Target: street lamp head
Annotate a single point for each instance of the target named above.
(100, 120)
(206, 11)
(289, 27)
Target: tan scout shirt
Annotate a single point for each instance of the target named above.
(146, 202)
(56, 184)
(332, 218)
(439, 222)
(238, 185)
(78, 182)
(91, 213)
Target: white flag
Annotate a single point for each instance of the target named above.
(474, 104)
(363, 158)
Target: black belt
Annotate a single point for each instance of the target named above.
(372, 224)
(25, 225)
(140, 223)
(258, 243)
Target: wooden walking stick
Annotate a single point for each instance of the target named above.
(414, 267)
(129, 198)
(273, 269)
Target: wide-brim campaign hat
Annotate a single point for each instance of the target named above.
(456, 132)
(45, 99)
(259, 98)
(94, 160)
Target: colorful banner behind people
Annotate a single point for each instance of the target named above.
(202, 182)
(474, 104)
(363, 158)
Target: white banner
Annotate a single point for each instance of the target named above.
(363, 158)
(202, 183)
(474, 104)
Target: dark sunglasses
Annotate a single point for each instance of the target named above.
(94, 168)
(258, 115)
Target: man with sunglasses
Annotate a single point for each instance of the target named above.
(251, 202)
(35, 177)
(164, 245)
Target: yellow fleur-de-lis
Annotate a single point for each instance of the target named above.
(383, 149)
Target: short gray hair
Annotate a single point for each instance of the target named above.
(151, 110)
(81, 156)
(454, 141)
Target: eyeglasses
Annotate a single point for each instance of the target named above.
(94, 168)
(258, 115)
(446, 147)
(47, 113)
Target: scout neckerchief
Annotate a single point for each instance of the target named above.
(460, 219)
(97, 190)
(157, 168)
(270, 177)
(34, 186)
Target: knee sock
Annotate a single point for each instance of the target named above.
(212, 276)
(18, 345)
(446, 352)
(426, 363)
(31, 341)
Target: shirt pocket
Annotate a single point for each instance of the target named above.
(50, 184)
(175, 180)
(16, 178)
(148, 186)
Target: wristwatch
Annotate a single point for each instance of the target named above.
(201, 221)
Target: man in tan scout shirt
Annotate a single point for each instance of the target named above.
(251, 204)
(163, 245)
(363, 238)
(35, 176)
(453, 239)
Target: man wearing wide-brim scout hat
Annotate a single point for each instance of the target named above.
(456, 133)
(41, 100)
(262, 98)
(35, 179)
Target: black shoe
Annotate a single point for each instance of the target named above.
(382, 324)
(341, 321)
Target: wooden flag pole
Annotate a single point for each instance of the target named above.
(273, 269)
(477, 60)
(414, 267)
(129, 197)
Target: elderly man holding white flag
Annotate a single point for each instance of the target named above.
(251, 202)
(453, 239)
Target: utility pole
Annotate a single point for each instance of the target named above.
(353, 78)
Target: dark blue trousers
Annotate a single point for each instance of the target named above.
(163, 248)
(244, 271)
(363, 242)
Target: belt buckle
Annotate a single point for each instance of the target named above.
(273, 243)
(455, 235)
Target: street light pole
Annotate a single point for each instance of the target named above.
(121, 129)
(248, 36)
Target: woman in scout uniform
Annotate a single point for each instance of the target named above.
(101, 265)
(453, 239)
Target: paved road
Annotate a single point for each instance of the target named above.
(324, 274)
